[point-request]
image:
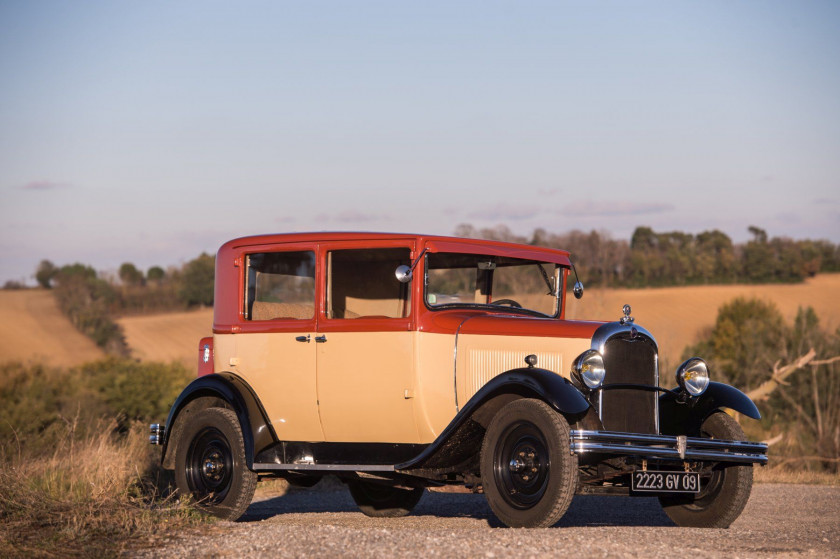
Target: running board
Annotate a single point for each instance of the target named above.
(325, 467)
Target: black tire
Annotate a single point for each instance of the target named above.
(383, 501)
(210, 464)
(723, 494)
(528, 471)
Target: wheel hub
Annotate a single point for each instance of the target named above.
(214, 466)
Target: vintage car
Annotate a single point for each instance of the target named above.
(401, 362)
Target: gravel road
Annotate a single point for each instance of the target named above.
(779, 521)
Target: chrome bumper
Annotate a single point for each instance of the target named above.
(667, 447)
(156, 433)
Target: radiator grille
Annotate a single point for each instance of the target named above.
(631, 361)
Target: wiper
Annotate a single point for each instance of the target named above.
(547, 280)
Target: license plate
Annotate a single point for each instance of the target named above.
(647, 481)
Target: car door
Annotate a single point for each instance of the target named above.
(275, 351)
(365, 349)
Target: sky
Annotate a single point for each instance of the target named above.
(149, 132)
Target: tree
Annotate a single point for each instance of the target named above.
(743, 344)
(130, 275)
(196, 285)
(792, 372)
(45, 273)
(155, 274)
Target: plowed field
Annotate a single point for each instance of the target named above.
(676, 316)
(33, 328)
(167, 337)
(31, 325)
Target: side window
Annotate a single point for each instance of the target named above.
(362, 284)
(280, 285)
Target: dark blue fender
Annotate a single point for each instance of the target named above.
(531, 382)
(679, 416)
(257, 431)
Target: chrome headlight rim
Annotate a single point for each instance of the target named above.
(588, 369)
(693, 376)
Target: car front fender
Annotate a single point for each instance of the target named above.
(462, 437)
(678, 416)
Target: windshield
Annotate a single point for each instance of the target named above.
(455, 279)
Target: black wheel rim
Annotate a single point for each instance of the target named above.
(521, 465)
(711, 483)
(209, 466)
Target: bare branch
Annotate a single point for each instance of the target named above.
(824, 361)
(779, 375)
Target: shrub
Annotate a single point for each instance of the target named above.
(197, 281)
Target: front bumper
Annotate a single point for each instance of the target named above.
(667, 447)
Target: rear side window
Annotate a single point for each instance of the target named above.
(362, 284)
(280, 285)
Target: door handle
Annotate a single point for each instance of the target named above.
(303, 339)
(320, 339)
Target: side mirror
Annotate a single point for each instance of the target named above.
(578, 290)
(403, 273)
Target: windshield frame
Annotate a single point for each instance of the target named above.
(559, 290)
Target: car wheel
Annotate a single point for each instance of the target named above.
(380, 500)
(210, 464)
(723, 493)
(528, 471)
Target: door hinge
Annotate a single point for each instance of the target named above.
(408, 394)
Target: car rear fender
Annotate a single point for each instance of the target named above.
(223, 390)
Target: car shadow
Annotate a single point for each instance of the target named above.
(585, 510)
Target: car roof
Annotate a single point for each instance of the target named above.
(433, 243)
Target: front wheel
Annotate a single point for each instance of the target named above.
(528, 471)
(210, 464)
(723, 492)
(383, 501)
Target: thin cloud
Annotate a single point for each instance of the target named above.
(285, 220)
(501, 211)
(44, 185)
(827, 201)
(349, 216)
(616, 208)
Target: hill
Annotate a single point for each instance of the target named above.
(167, 337)
(33, 328)
(31, 324)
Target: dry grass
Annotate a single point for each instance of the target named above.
(677, 316)
(91, 497)
(167, 337)
(33, 328)
(770, 474)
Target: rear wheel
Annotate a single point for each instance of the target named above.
(724, 491)
(527, 469)
(210, 464)
(384, 501)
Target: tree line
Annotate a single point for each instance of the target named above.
(672, 258)
(91, 300)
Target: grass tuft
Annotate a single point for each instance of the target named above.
(92, 496)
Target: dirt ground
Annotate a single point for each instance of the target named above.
(779, 521)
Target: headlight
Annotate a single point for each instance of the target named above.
(588, 368)
(693, 376)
